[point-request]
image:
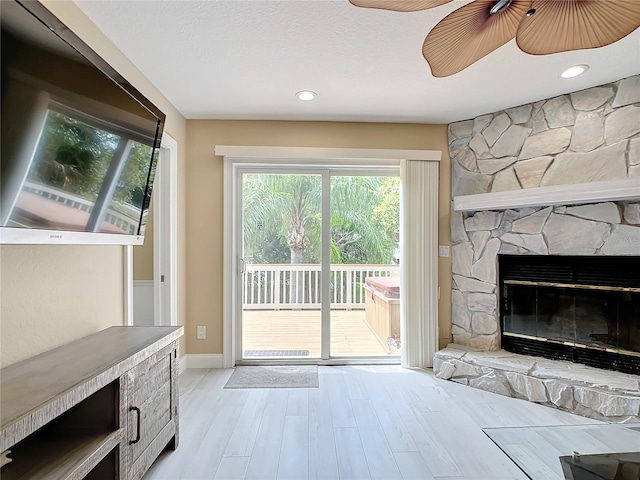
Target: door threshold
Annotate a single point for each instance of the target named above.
(391, 360)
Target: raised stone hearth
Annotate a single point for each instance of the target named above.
(575, 388)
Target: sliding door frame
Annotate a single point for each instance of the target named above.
(344, 162)
(273, 169)
(326, 173)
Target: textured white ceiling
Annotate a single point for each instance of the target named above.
(246, 59)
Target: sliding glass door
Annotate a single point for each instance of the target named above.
(318, 271)
(281, 283)
(365, 270)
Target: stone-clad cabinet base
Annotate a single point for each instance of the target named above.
(586, 391)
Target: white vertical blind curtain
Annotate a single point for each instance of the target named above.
(419, 262)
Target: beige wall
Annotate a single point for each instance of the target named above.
(444, 238)
(55, 294)
(52, 294)
(205, 196)
(143, 254)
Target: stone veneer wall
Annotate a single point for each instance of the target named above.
(586, 136)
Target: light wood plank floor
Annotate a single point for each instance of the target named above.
(300, 330)
(369, 422)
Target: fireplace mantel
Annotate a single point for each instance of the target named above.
(627, 189)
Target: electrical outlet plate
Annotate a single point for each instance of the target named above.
(443, 250)
(201, 333)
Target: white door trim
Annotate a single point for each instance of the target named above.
(230, 253)
(128, 285)
(325, 154)
(165, 234)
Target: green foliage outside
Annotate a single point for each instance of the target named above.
(282, 219)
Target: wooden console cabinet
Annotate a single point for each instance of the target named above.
(101, 407)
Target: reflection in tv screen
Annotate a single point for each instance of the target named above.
(85, 176)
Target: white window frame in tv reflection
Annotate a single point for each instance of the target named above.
(20, 235)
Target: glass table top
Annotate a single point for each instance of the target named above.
(610, 466)
(537, 450)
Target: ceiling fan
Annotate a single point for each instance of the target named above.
(540, 27)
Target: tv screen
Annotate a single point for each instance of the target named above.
(79, 144)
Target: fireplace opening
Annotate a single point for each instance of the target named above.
(582, 309)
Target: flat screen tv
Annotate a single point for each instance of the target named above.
(79, 143)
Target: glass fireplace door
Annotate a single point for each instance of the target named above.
(579, 309)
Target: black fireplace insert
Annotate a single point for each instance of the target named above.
(584, 309)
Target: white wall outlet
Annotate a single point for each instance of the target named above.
(201, 333)
(443, 250)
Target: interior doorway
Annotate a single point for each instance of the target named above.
(154, 302)
(165, 236)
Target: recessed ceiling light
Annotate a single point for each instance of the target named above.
(574, 71)
(306, 95)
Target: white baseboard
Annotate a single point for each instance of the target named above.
(201, 361)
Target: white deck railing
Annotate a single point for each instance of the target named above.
(127, 220)
(289, 286)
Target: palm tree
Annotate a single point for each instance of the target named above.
(283, 211)
(279, 205)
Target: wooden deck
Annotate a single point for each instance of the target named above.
(300, 330)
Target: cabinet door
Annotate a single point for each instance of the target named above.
(150, 410)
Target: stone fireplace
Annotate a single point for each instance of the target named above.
(576, 139)
(605, 229)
